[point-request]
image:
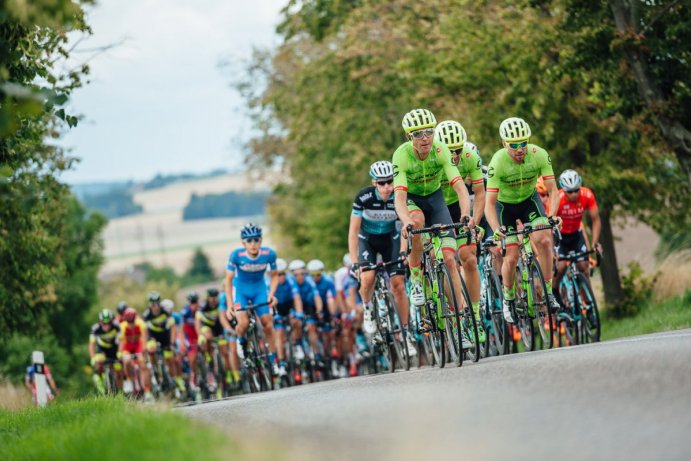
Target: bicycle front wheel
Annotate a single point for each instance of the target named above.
(398, 335)
(590, 322)
(451, 311)
(500, 331)
(539, 297)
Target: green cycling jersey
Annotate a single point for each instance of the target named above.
(515, 182)
(469, 164)
(423, 177)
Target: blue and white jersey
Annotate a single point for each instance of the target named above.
(378, 216)
(287, 290)
(222, 302)
(348, 283)
(326, 287)
(177, 317)
(250, 271)
(307, 291)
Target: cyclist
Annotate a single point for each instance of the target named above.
(574, 200)
(288, 309)
(120, 310)
(340, 276)
(311, 304)
(327, 293)
(132, 341)
(103, 345)
(169, 307)
(209, 329)
(161, 333)
(187, 335)
(511, 197)
(419, 166)
(375, 229)
(228, 322)
(466, 157)
(245, 274)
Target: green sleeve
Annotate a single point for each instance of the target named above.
(400, 167)
(450, 170)
(493, 174)
(472, 165)
(546, 169)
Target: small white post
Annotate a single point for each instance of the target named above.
(40, 379)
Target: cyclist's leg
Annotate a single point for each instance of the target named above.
(417, 215)
(439, 214)
(543, 241)
(507, 218)
(366, 255)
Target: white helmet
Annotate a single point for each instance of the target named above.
(570, 180)
(281, 265)
(315, 266)
(296, 265)
(347, 262)
(381, 169)
(450, 133)
(514, 129)
(418, 119)
(168, 305)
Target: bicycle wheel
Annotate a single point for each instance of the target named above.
(451, 311)
(524, 323)
(399, 341)
(537, 294)
(435, 335)
(591, 328)
(202, 376)
(261, 359)
(500, 331)
(382, 348)
(469, 324)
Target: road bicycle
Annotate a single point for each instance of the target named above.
(496, 329)
(257, 371)
(579, 322)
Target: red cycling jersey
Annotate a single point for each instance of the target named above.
(571, 213)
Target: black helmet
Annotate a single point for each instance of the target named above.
(122, 305)
(154, 297)
(212, 292)
(193, 297)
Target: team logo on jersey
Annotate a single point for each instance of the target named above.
(549, 159)
(467, 155)
(532, 216)
(438, 149)
(366, 196)
(534, 149)
(479, 163)
(490, 172)
(395, 171)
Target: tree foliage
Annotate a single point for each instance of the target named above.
(113, 204)
(227, 204)
(328, 102)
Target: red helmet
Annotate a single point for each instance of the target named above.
(130, 315)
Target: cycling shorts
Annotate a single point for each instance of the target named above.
(435, 210)
(133, 348)
(110, 353)
(387, 245)
(216, 329)
(573, 242)
(528, 211)
(255, 295)
(161, 337)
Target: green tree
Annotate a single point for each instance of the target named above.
(200, 269)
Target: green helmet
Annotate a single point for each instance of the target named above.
(418, 119)
(451, 133)
(514, 129)
(154, 297)
(106, 316)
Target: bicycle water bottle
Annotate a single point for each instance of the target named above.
(381, 305)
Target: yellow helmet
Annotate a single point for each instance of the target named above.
(418, 119)
(514, 129)
(451, 133)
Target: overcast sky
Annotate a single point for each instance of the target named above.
(159, 102)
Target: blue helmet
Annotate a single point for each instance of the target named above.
(250, 230)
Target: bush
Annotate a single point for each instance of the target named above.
(638, 291)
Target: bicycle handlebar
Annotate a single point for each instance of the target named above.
(380, 265)
(527, 229)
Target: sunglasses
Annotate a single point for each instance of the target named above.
(573, 191)
(252, 240)
(299, 274)
(457, 151)
(419, 134)
(385, 182)
(315, 274)
(517, 145)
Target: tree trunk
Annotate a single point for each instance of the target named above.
(609, 269)
(677, 135)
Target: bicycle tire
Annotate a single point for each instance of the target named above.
(382, 347)
(453, 321)
(435, 336)
(524, 322)
(398, 334)
(469, 323)
(590, 314)
(494, 299)
(543, 312)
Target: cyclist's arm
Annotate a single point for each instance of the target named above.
(297, 303)
(353, 231)
(181, 337)
(230, 275)
(144, 338)
(92, 346)
(400, 186)
(173, 330)
(273, 285)
(223, 317)
(198, 323)
(597, 225)
(121, 337)
(463, 197)
(553, 193)
(455, 180)
(491, 209)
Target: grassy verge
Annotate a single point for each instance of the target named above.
(108, 429)
(672, 314)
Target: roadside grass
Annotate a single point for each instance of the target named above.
(672, 314)
(13, 397)
(108, 429)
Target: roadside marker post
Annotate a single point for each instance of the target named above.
(40, 379)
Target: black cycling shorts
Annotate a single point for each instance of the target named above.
(435, 210)
(387, 245)
(573, 242)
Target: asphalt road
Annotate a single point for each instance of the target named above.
(627, 399)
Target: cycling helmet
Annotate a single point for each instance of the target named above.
(168, 305)
(281, 265)
(296, 265)
(347, 262)
(315, 266)
(250, 231)
(130, 315)
(450, 133)
(540, 186)
(570, 180)
(381, 169)
(418, 119)
(122, 305)
(193, 297)
(514, 129)
(154, 297)
(106, 316)
(211, 292)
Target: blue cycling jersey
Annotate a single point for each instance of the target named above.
(286, 290)
(177, 317)
(326, 288)
(307, 291)
(248, 270)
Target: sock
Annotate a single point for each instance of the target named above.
(236, 375)
(415, 275)
(272, 357)
(509, 293)
(548, 284)
(476, 310)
